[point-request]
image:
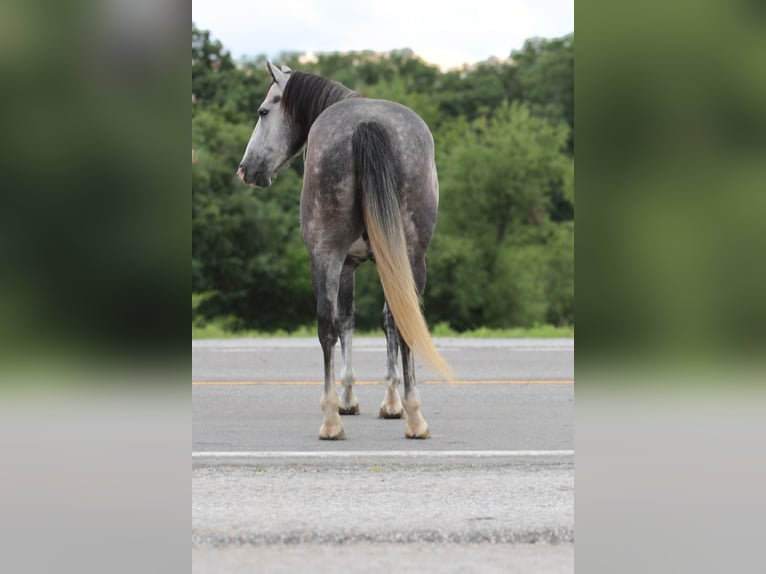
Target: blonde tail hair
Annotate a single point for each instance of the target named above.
(375, 174)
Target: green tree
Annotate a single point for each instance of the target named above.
(546, 78)
(502, 254)
(476, 90)
(246, 243)
(497, 178)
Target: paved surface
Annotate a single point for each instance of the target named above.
(491, 491)
(301, 359)
(433, 515)
(460, 417)
(387, 558)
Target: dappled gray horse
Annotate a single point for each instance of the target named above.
(370, 192)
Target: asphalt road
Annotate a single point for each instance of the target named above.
(491, 491)
(301, 359)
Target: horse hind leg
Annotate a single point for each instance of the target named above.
(349, 403)
(391, 407)
(332, 426)
(326, 278)
(415, 425)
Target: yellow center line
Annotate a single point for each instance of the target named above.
(493, 382)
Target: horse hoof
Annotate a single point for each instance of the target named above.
(388, 414)
(409, 433)
(349, 410)
(325, 434)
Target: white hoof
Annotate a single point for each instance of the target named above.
(391, 407)
(419, 430)
(332, 432)
(349, 403)
(387, 412)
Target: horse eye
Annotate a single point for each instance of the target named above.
(262, 112)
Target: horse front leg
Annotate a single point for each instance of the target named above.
(326, 282)
(349, 403)
(391, 407)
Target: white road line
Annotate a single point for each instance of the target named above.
(380, 453)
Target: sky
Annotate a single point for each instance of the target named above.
(443, 32)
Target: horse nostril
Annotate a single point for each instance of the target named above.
(241, 171)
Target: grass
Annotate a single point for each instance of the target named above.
(217, 331)
(536, 332)
(220, 330)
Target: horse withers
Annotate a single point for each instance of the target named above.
(370, 192)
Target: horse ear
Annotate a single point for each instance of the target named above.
(286, 69)
(276, 74)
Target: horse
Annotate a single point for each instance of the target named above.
(370, 193)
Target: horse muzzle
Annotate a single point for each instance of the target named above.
(253, 179)
(260, 179)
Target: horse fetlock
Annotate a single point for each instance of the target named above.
(393, 382)
(411, 402)
(329, 402)
(347, 377)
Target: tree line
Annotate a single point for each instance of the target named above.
(503, 251)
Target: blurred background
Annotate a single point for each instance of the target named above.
(92, 240)
(671, 346)
(674, 183)
(94, 246)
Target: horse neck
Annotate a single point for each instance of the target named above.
(306, 96)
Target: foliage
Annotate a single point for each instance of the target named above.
(502, 256)
(498, 179)
(546, 78)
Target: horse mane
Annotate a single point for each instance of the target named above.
(307, 95)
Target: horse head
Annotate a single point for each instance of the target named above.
(272, 143)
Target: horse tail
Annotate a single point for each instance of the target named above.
(376, 177)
